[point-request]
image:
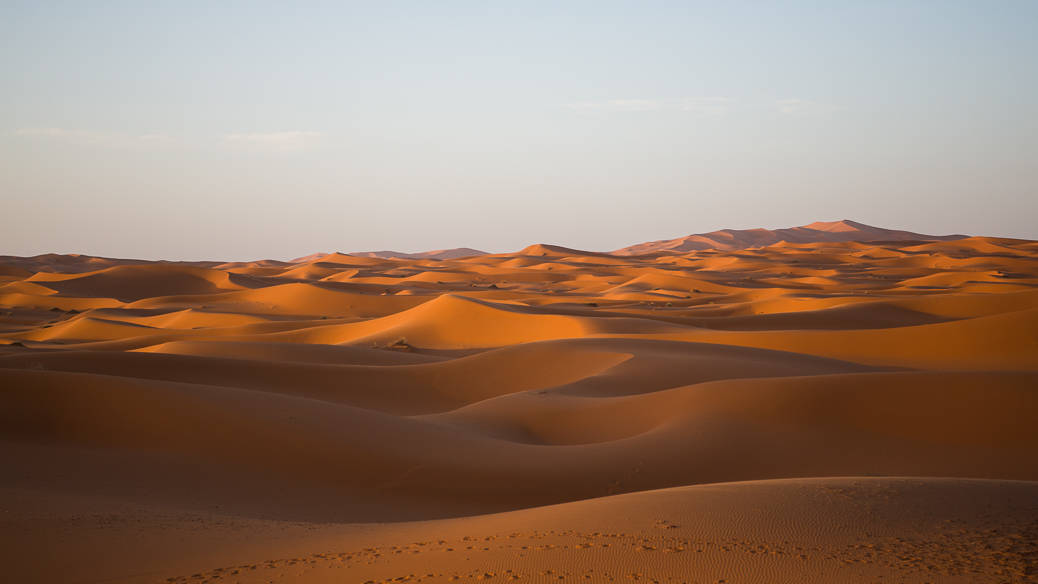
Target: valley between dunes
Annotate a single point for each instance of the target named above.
(836, 411)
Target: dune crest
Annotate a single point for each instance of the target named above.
(817, 232)
(831, 402)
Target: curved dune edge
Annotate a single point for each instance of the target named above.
(402, 387)
(853, 529)
(548, 415)
(307, 459)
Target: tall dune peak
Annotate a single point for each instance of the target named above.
(841, 225)
(817, 232)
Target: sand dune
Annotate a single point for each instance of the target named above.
(788, 531)
(819, 231)
(834, 402)
(438, 254)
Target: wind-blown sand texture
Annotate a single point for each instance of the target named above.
(834, 411)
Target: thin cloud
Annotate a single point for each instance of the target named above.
(616, 105)
(799, 107)
(93, 138)
(699, 105)
(277, 141)
(47, 132)
(713, 106)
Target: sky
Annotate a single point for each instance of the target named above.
(246, 130)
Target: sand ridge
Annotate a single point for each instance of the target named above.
(675, 414)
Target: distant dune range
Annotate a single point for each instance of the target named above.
(725, 240)
(818, 232)
(439, 254)
(832, 402)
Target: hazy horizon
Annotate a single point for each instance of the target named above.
(373, 250)
(246, 130)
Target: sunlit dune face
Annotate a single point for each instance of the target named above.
(786, 296)
(338, 389)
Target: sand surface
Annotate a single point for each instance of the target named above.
(836, 411)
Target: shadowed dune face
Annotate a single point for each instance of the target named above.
(339, 388)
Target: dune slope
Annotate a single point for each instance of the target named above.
(834, 402)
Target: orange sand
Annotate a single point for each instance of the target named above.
(835, 410)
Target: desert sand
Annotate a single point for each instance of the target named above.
(819, 404)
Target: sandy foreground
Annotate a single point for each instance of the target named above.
(820, 412)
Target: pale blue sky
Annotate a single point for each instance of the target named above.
(224, 130)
